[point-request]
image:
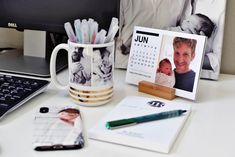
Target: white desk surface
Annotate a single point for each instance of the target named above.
(209, 131)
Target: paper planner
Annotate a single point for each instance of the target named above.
(156, 135)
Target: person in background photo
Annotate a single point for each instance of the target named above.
(165, 76)
(196, 24)
(184, 53)
(154, 14)
(199, 24)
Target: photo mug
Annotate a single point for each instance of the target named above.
(91, 68)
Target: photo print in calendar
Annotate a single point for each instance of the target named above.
(171, 59)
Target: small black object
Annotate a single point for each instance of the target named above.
(156, 103)
(44, 110)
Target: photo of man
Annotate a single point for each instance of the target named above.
(184, 53)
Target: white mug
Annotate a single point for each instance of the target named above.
(91, 68)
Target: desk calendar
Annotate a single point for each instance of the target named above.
(151, 46)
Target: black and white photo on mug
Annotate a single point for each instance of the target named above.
(80, 71)
(102, 66)
(202, 17)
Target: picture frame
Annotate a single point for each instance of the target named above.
(171, 59)
(165, 15)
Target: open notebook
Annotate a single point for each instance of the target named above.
(156, 135)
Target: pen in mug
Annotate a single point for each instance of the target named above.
(111, 35)
(100, 37)
(141, 119)
(114, 22)
(90, 28)
(77, 26)
(70, 32)
(94, 32)
(85, 31)
(97, 38)
(90, 20)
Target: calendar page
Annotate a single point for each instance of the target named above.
(167, 58)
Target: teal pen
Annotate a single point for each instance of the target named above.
(141, 119)
(77, 26)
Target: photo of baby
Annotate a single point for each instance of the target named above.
(59, 126)
(196, 24)
(80, 72)
(102, 66)
(165, 75)
(69, 115)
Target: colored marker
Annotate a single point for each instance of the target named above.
(77, 26)
(70, 32)
(142, 119)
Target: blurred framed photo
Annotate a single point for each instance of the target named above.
(201, 17)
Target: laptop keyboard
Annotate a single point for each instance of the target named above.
(15, 91)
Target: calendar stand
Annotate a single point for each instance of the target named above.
(157, 90)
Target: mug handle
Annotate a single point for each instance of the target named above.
(53, 65)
